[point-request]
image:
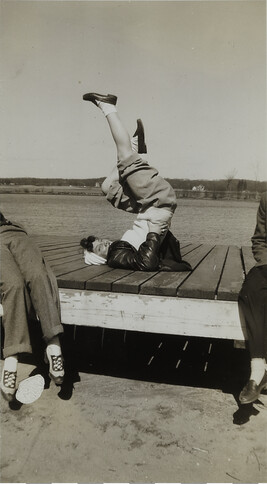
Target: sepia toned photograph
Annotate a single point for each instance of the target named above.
(133, 229)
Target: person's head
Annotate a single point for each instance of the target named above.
(96, 245)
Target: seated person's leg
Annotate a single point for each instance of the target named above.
(16, 306)
(44, 296)
(253, 308)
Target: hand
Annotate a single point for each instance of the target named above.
(158, 228)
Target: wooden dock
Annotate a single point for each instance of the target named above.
(198, 303)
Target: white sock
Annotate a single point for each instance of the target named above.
(106, 108)
(257, 369)
(54, 347)
(134, 143)
(11, 363)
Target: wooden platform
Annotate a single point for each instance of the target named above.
(197, 303)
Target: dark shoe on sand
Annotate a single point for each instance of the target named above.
(251, 390)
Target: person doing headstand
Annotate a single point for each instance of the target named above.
(135, 186)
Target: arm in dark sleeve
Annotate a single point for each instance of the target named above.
(259, 239)
(122, 255)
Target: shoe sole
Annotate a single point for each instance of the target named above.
(30, 389)
(58, 380)
(8, 396)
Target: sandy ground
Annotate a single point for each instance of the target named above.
(125, 417)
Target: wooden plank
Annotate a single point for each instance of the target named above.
(64, 260)
(59, 250)
(197, 255)
(54, 238)
(167, 283)
(63, 255)
(78, 279)
(189, 248)
(104, 281)
(248, 258)
(51, 245)
(42, 244)
(164, 284)
(67, 267)
(203, 282)
(132, 282)
(152, 314)
(232, 277)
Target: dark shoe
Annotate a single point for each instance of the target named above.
(251, 390)
(93, 97)
(8, 384)
(140, 133)
(56, 367)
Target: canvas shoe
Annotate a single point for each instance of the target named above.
(30, 389)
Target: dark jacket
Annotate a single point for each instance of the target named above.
(259, 239)
(151, 255)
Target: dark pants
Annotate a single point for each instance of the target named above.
(252, 304)
(26, 280)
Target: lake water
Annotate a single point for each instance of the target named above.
(205, 221)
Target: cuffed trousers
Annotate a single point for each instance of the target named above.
(252, 303)
(26, 279)
(140, 187)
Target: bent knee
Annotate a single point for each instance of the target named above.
(105, 186)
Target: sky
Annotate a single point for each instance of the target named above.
(193, 71)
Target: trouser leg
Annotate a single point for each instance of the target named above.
(146, 185)
(16, 305)
(252, 303)
(40, 282)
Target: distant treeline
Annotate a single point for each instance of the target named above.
(228, 184)
(235, 185)
(61, 182)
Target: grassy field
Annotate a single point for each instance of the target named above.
(96, 191)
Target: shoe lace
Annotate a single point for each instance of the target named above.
(10, 378)
(57, 363)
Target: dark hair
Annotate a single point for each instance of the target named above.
(87, 243)
(3, 220)
(2, 217)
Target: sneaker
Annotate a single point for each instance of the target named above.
(56, 366)
(30, 389)
(8, 384)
